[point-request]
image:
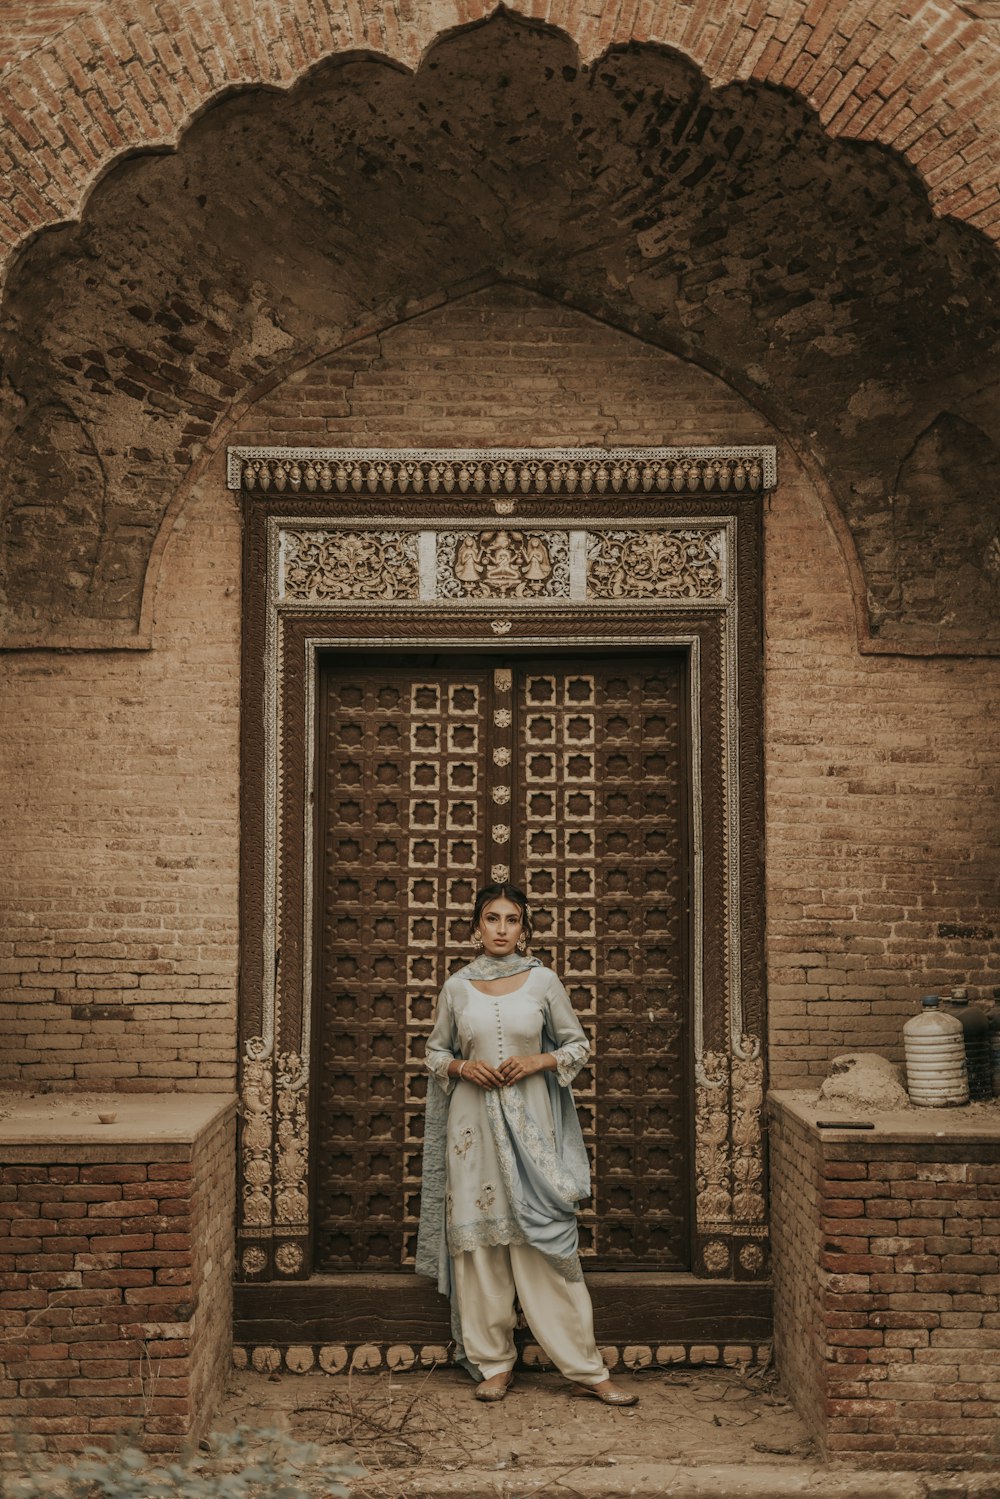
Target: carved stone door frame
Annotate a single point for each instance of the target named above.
(634, 549)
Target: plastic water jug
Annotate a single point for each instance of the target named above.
(993, 1021)
(934, 1044)
(976, 1033)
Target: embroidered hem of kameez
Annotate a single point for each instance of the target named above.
(486, 1232)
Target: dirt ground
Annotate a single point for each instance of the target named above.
(421, 1433)
(696, 1434)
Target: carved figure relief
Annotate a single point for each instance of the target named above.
(503, 564)
(655, 564)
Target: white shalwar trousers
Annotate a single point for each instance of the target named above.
(558, 1311)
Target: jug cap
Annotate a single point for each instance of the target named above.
(929, 1000)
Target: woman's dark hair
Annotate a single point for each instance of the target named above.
(502, 892)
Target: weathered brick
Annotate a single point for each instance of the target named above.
(906, 1363)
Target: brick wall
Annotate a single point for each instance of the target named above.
(120, 824)
(887, 1291)
(119, 816)
(115, 1298)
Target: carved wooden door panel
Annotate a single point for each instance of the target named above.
(572, 781)
(601, 813)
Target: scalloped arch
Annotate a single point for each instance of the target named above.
(921, 81)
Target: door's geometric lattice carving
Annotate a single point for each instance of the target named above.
(602, 788)
(403, 844)
(573, 781)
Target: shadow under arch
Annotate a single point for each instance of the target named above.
(563, 298)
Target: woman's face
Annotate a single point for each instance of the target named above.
(500, 925)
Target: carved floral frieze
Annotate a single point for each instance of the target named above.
(344, 565)
(291, 1195)
(656, 564)
(320, 567)
(748, 1147)
(713, 1184)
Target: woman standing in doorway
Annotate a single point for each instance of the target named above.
(504, 1159)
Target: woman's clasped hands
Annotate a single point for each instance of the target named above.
(510, 1070)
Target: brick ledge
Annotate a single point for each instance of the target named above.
(157, 1123)
(972, 1124)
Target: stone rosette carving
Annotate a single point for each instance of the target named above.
(288, 1258)
(751, 1257)
(684, 564)
(253, 1259)
(716, 1256)
(327, 566)
(503, 564)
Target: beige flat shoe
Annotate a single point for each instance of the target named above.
(494, 1388)
(607, 1393)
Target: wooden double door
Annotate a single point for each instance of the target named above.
(569, 776)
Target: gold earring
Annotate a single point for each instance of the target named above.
(522, 943)
(477, 940)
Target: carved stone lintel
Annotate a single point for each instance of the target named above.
(502, 471)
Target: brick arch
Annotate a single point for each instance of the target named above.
(724, 225)
(99, 87)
